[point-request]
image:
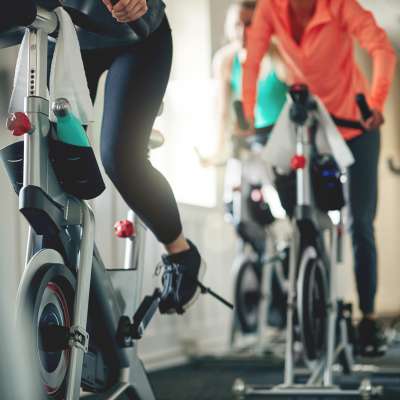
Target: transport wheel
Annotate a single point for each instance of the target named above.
(49, 304)
(248, 295)
(312, 295)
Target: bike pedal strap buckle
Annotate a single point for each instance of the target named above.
(79, 338)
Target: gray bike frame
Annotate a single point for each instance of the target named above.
(271, 264)
(39, 172)
(320, 382)
(322, 372)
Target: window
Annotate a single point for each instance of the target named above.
(188, 122)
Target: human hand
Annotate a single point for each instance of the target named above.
(125, 11)
(250, 131)
(375, 121)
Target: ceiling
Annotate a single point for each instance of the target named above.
(387, 13)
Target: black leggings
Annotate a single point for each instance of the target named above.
(135, 86)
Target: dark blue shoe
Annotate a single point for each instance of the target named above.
(181, 280)
(371, 338)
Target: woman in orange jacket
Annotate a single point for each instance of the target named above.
(315, 39)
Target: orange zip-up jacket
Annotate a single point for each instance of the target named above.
(324, 60)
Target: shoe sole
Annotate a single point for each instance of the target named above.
(202, 272)
(374, 353)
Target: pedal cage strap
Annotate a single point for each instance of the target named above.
(178, 272)
(79, 338)
(204, 289)
(173, 275)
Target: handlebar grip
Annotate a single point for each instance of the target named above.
(241, 118)
(363, 106)
(140, 26)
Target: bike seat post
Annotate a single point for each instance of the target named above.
(303, 179)
(36, 105)
(300, 115)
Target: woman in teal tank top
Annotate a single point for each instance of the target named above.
(228, 63)
(271, 94)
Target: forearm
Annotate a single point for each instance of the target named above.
(384, 66)
(223, 133)
(362, 25)
(259, 38)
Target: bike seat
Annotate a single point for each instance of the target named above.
(17, 13)
(50, 5)
(12, 25)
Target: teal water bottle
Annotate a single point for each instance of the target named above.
(69, 128)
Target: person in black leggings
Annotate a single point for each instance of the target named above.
(138, 73)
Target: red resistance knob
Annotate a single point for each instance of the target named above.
(19, 124)
(298, 162)
(124, 229)
(257, 195)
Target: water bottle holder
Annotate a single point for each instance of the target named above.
(76, 169)
(327, 188)
(12, 157)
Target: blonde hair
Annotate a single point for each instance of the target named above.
(233, 16)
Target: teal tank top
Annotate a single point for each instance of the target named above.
(271, 95)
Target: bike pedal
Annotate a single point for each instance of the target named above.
(124, 337)
(206, 290)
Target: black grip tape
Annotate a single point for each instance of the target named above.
(363, 106)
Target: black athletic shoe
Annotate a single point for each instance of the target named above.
(371, 338)
(182, 273)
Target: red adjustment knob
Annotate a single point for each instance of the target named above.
(257, 195)
(19, 124)
(298, 162)
(124, 229)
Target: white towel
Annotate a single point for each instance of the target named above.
(67, 76)
(282, 144)
(20, 86)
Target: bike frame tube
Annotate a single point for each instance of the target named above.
(38, 172)
(81, 299)
(36, 103)
(134, 255)
(289, 359)
(331, 342)
(303, 179)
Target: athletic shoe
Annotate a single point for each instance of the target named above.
(182, 274)
(371, 338)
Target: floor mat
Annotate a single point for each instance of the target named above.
(212, 379)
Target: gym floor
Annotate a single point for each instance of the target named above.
(212, 378)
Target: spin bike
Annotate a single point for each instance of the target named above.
(83, 339)
(261, 264)
(315, 316)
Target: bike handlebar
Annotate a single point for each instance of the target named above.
(240, 116)
(78, 18)
(363, 106)
(300, 96)
(140, 26)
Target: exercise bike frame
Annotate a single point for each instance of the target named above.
(274, 244)
(319, 373)
(71, 223)
(306, 213)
